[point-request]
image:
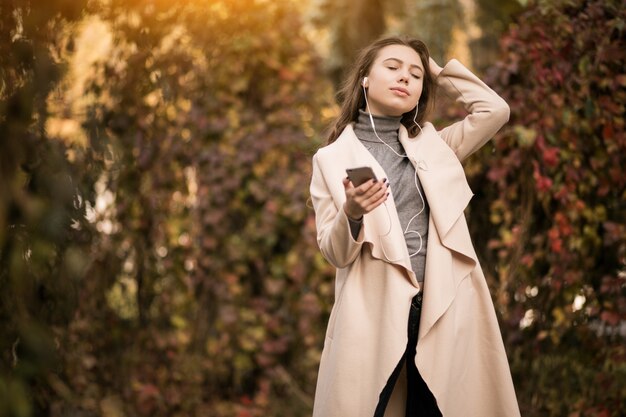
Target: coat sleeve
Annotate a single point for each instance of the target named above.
(488, 112)
(333, 229)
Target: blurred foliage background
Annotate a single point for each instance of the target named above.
(157, 250)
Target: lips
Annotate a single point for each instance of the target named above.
(403, 92)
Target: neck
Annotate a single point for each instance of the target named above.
(386, 127)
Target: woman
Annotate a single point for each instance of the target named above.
(413, 329)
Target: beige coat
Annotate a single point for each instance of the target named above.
(460, 353)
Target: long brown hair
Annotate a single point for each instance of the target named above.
(351, 96)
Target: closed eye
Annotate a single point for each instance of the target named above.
(416, 76)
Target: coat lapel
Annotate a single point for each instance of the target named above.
(381, 226)
(447, 192)
(441, 175)
(446, 189)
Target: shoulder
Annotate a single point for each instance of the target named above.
(334, 149)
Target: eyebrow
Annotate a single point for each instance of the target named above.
(402, 62)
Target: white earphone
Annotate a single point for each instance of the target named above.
(406, 230)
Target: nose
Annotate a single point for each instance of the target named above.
(404, 76)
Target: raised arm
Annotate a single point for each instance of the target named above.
(488, 112)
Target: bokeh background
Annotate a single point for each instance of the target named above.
(157, 245)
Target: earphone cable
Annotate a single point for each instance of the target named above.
(406, 230)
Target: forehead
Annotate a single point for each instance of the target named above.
(403, 53)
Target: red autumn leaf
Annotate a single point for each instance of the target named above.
(550, 156)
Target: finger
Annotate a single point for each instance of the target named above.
(381, 195)
(375, 195)
(373, 186)
(377, 203)
(347, 184)
(362, 189)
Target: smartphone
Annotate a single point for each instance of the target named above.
(360, 175)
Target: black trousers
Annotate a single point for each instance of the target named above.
(420, 402)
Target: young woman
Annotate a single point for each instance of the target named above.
(413, 330)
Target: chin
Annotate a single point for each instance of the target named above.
(393, 109)
(396, 112)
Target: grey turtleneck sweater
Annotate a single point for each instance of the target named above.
(402, 179)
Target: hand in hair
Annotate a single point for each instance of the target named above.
(435, 69)
(364, 198)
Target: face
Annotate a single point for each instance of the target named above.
(395, 81)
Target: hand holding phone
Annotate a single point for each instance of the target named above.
(360, 198)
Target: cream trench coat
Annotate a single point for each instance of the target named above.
(460, 353)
